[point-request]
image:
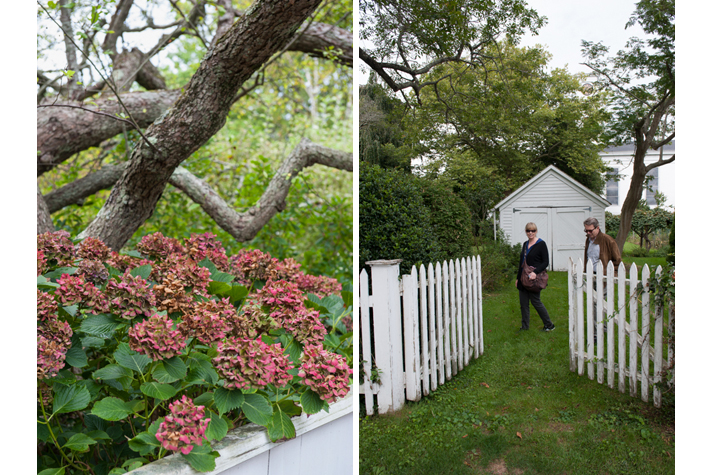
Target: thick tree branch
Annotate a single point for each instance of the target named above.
(62, 132)
(225, 20)
(245, 226)
(304, 155)
(659, 163)
(197, 115)
(323, 40)
(77, 191)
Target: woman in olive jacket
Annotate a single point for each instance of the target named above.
(535, 254)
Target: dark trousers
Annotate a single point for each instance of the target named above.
(527, 297)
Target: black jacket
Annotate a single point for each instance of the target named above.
(538, 259)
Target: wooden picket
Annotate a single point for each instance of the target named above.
(619, 313)
(436, 314)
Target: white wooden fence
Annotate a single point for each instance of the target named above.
(624, 335)
(423, 329)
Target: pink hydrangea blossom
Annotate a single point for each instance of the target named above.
(123, 262)
(252, 321)
(57, 248)
(252, 363)
(205, 323)
(284, 303)
(75, 290)
(194, 277)
(184, 427)
(46, 306)
(158, 246)
(93, 271)
(201, 246)
(327, 374)
(41, 262)
(130, 297)
(53, 342)
(321, 285)
(156, 338)
(93, 249)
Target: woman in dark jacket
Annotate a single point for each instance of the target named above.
(535, 254)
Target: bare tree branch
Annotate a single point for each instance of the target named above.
(69, 45)
(245, 226)
(117, 26)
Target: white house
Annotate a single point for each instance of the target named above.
(661, 178)
(558, 205)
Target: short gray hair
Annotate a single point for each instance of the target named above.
(591, 222)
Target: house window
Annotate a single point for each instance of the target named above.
(612, 186)
(652, 186)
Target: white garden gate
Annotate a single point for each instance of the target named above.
(626, 333)
(418, 332)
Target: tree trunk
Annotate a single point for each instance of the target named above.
(44, 220)
(197, 115)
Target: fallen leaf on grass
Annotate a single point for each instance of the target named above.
(536, 409)
(486, 385)
(519, 435)
(490, 331)
(466, 435)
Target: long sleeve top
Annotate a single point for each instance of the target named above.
(538, 258)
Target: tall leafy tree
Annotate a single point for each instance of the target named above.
(89, 105)
(488, 130)
(641, 81)
(403, 40)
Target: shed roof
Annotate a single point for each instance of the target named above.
(583, 190)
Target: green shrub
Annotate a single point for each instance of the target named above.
(394, 221)
(499, 263)
(639, 252)
(450, 218)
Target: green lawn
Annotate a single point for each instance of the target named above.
(518, 409)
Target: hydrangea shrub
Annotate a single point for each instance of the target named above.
(165, 348)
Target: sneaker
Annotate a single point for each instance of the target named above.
(549, 329)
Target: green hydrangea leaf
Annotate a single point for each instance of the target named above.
(111, 409)
(257, 409)
(130, 359)
(76, 357)
(144, 443)
(311, 402)
(112, 371)
(217, 427)
(158, 390)
(202, 458)
(70, 398)
(226, 399)
(280, 426)
(142, 271)
(79, 442)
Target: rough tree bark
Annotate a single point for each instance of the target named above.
(198, 114)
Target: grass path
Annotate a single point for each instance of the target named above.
(519, 410)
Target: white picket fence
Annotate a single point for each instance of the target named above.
(424, 329)
(622, 328)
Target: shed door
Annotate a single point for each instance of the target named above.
(568, 233)
(541, 218)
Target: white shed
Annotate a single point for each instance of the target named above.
(558, 205)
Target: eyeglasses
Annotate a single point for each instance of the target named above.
(531, 230)
(589, 231)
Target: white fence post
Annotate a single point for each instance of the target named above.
(622, 326)
(411, 330)
(645, 334)
(432, 326)
(571, 302)
(633, 335)
(610, 324)
(423, 329)
(440, 322)
(658, 347)
(387, 323)
(480, 304)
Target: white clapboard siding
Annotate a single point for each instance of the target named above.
(619, 312)
(435, 331)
